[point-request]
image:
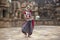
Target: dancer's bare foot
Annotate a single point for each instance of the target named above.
(25, 35)
(29, 36)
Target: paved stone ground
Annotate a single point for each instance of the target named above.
(39, 33)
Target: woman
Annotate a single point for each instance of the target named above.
(28, 26)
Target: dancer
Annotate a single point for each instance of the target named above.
(28, 26)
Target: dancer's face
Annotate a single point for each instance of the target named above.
(27, 9)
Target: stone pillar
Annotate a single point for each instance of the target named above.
(1, 13)
(36, 14)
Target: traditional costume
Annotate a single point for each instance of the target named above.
(28, 26)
